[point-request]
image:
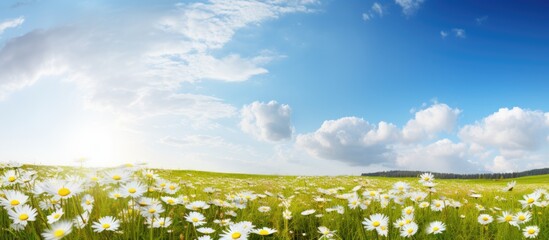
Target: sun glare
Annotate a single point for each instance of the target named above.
(94, 146)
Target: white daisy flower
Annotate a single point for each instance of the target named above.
(58, 230)
(308, 212)
(485, 219)
(265, 231)
(196, 218)
(133, 189)
(22, 214)
(13, 199)
(55, 216)
(436, 227)
(107, 223)
(408, 230)
(530, 231)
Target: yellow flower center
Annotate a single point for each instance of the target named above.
(522, 217)
(263, 232)
(508, 218)
(64, 192)
(401, 188)
(14, 202)
(236, 235)
(23, 217)
(437, 204)
(376, 224)
(95, 179)
(117, 195)
(116, 177)
(106, 225)
(88, 202)
(149, 175)
(170, 201)
(409, 211)
(152, 210)
(12, 178)
(372, 193)
(531, 200)
(435, 228)
(531, 231)
(161, 223)
(195, 219)
(132, 190)
(59, 233)
(162, 184)
(57, 215)
(485, 219)
(410, 230)
(172, 187)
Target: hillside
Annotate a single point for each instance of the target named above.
(399, 173)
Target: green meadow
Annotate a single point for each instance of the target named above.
(132, 202)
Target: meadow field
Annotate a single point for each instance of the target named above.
(133, 202)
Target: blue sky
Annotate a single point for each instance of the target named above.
(280, 87)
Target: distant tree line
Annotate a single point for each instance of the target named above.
(399, 173)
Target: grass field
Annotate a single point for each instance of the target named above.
(132, 202)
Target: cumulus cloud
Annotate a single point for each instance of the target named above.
(351, 140)
(267, 121)
(500, 164)
(442, 156)
(509, 130)
(430, 121)
(11, 23)
(409, 7)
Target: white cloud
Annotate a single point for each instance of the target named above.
(443, 34)
(136, 65)
(409, 7)
(267, 121)
(365, 16)
(441, 156)
(459, 33)
(509, 130)
(11, 23)
(376, 9)
(430, 121)
(351, 140)
(500, 164)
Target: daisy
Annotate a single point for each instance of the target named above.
(197, 205)
(406, 219)
(205, 230)
(61, 189)
(106, 223)
(408, 210)
(171, 188)
(10, 177)
(485, 219)
(13, 199)
(152, 211)
(375, 221)
(149, 174)
(81, 221)
(426, 177)
(507, 217)
(196, 218)
(437, 205)
(530, 231)
(408, 230)
(87, 203)
(22, 214)
(264, 231)
(401, 186)
(530, 200)
(171, 200)
(55, 216)
(354, 202)
(326, 232)
(117, 176)
(423, 204)
(308, 212)
(160, 222)
(509, 187)
(522, 217)
(206, 237)
(133, 189)
(436, 227)
(58, 230)
(235, 232)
